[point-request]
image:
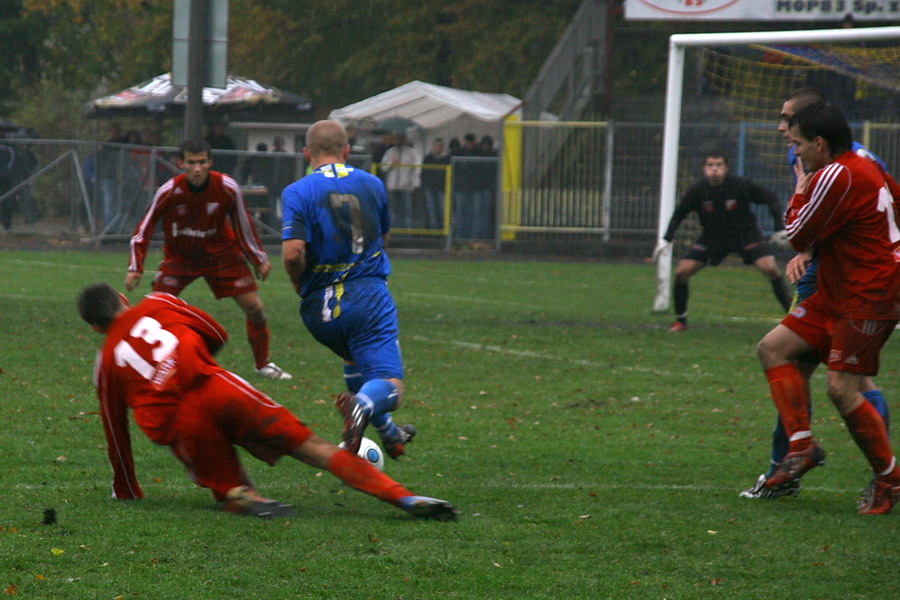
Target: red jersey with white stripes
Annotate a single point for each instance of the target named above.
(202, 227)
(848, 213)
(153, 355)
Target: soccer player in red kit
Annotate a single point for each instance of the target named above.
(207, 233)
(157, 360)
(844, 206)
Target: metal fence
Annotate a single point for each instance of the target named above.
(553, 181)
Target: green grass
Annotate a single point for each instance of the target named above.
(592, 453)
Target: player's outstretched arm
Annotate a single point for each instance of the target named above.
(132, 280)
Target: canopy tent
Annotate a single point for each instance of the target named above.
(438, 110)
(160, 98)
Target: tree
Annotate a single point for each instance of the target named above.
(334, 51)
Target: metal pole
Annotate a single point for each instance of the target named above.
(193, 110)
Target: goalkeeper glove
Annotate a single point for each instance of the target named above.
(780, 240)
(662, 246)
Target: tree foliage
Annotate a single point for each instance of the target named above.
(334, 51)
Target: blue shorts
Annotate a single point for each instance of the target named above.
(357, 319)
(806, 287)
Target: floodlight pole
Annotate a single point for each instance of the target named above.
(193, 110)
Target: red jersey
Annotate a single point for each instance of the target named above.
(848, 214)
(201, 227)
(153, 355)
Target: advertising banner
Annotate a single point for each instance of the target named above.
(763, 10)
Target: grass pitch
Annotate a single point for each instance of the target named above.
(592, 453)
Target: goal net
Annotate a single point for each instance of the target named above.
(725, 92)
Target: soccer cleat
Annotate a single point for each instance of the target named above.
(760, 491)
(423, 507)
(244, 500)
(678, 326)
(878, 498)
(355, 421)
(794, 465)
(396, 446)
(273, 371)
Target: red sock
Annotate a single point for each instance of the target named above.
(868, 431)
(362, 476)
(258, 336)
(791, 397)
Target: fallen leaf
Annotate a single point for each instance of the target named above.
(57, 551)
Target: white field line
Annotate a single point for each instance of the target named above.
(587, 486)
(468, 299)
(27, 296)
(540, 356)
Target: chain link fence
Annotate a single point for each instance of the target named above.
(564, 183)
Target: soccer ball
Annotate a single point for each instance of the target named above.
(370, 452)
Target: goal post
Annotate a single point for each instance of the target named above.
(678, 44)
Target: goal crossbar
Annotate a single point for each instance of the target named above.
(672, 116)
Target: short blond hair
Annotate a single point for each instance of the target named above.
(326, 138)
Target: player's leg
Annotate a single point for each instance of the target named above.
(768, 267)
(873, 396)
(360, 475)
(806, 365)
(861, 342)
(202, 445)
(236, 281)
(777, 352)
(686, 269)
(393, 437)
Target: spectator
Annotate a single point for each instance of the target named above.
(7, 182)
(284, 168)
(471, 201)
(402, 166)
(219, 140)
(433, 183)
(108, 169)
(258, 171)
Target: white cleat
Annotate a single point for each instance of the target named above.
(273, 371)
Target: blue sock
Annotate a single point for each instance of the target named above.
(385, 425)
(779, 446)
(353, 379)
(780, 443)
(876, 399)
(377, 396)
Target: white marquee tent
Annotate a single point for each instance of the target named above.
(439, 111)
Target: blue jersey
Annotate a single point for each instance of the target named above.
(341, 213)
(807, 284)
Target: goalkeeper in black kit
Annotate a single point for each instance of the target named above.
(722, 202)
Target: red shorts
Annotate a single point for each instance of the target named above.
(851, 345)
(225, 412)
(226, 279)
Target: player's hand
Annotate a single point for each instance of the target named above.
(796, 267)
(662, 246)
(262, 271)
(132, 280)
(802, 178)
(780, 240)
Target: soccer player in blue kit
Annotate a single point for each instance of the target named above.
(335, 222)
(802, 269)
